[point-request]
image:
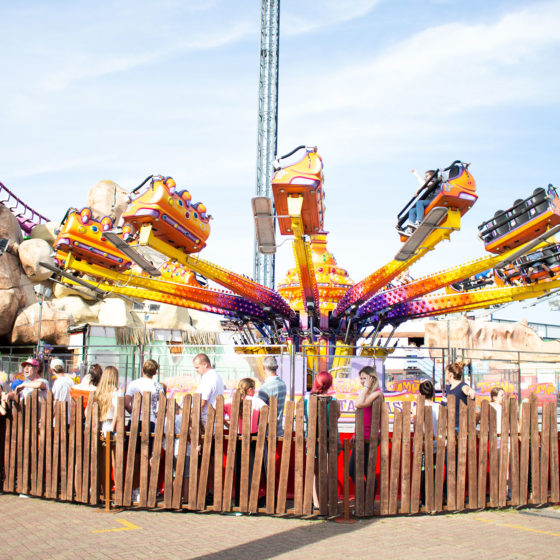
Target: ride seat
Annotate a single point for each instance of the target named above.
(539, 201)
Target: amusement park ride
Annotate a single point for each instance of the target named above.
(317, 304)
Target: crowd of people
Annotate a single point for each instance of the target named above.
(102, 385)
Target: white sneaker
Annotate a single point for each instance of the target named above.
(136, 495)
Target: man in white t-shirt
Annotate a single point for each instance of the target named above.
(211, 384)
(144, 384)
(62, 383)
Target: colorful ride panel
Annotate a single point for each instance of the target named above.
(174, 219)
(82, 235)
(522, 222)
(143, 287)
(301, 179)
(454, 187)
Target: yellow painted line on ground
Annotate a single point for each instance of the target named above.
(128, 526)
(520, 527)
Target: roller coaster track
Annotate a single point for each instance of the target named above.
(26, 216)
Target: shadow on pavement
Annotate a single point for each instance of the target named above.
(286, 541)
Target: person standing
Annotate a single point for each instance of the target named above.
(457, 387)
(32, 380)
(62, 381)
(211, 384)
(273, 386)
(366, 397)
(144, 384)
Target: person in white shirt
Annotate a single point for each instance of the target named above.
(62, 383)
(211, 384)
(144, 384)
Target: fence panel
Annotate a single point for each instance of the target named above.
(71, 456)
(285, 460)
(118, 470)
(333, 459)
(170, 444)
(511, 447)
(525, 421)
(405, 460)
(417, 456)
(182, 457)
(514, 451)
(206, 450)
(384, 476)
(395, 462)
(310, 458)
(219, 447)
(259, 455)
(483, 453)
(359, 450)
(451, 455)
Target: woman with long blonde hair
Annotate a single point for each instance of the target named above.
(106, 395)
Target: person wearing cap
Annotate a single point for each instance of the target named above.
(62, 383)
(32, 380)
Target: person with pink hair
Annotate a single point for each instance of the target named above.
(321, 387)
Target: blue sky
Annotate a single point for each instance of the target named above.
(119, 90)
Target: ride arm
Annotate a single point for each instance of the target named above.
(429, 284)
(302, 254)
(239, 284)
(365, 289)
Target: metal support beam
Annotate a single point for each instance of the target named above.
(263, 267)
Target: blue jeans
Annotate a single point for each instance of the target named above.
(416, 213)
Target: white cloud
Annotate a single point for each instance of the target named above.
(311, 15)
(449, 67)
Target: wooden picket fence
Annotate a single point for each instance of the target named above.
(48, 454)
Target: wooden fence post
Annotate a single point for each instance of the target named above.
(179, 480)
(219, 454)
(451, 474)
(554, 466)
(384, 475)
(259, 455)
(285, 460)
(525, 419)
(71, 457)
(359, 493)
(299, 459)
(472, 458)
(395, 461)
(310, 456)
(119, 453)
(514, 451)
(483, 453)
(405, 466)
(206, 450)
(535, 449)
(417, 455)
(333, 459)
(156, 451)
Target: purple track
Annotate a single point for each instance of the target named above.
(26, 216)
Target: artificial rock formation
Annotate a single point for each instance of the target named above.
(487, 341)
(31, 252)
(16, 290)
(106, 198)
(54, 324)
